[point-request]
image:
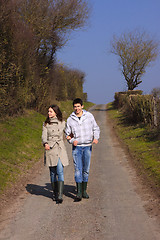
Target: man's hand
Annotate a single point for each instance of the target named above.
(95, 141)
(75, 143)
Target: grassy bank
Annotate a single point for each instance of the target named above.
(143, 144)
(20, 143)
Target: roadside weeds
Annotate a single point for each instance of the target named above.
(149, 188)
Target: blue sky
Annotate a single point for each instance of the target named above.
(89, 49)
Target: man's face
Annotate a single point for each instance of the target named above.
(78, 108)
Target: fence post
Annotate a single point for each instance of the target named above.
(155, 111)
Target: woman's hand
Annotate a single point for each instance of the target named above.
(47, 147)
(68, 137)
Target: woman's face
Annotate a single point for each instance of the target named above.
(51, 113)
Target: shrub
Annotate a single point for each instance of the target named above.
(139, 108)
(120, 97)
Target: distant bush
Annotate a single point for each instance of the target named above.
(120, 97)
(139, 108)
(156, 92)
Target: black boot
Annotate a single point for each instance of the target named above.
(84, 193)
(55, 190)
(60, 191)
(79, 191)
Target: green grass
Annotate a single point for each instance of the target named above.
(20, 143)
(143, 143)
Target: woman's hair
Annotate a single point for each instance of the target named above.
(57, 111)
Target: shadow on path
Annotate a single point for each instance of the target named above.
(70, 191)
(46, 190)
(38, 190)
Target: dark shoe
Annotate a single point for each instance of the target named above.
(84, 193)
(55, 190)
(60, 191)
(79, 191)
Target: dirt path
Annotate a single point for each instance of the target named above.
(114, 210)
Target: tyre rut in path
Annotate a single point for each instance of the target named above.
(114, 210)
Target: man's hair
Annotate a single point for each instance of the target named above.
(77, 100)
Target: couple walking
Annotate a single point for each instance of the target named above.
(81, 131)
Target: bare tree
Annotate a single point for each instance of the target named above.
(156, 92)
(135, 51)
(67, 83)
(52, 23)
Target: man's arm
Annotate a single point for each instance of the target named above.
(69, 134)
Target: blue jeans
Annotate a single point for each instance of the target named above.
(56, 172)
(81, 159)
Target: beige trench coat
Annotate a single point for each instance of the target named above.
(53, 135)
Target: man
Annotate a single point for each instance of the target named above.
(81, 131)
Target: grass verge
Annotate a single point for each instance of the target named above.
(142, 143)
(20, 145)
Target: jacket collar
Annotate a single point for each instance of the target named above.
(74, 116)
(54, 120)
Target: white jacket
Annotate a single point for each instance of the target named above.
(84, 130)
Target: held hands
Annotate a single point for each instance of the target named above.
(70, 137)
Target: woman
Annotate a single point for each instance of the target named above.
(55, 153)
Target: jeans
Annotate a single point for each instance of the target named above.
(81, 159)
(56, 172)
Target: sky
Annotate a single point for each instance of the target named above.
(88, 50)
